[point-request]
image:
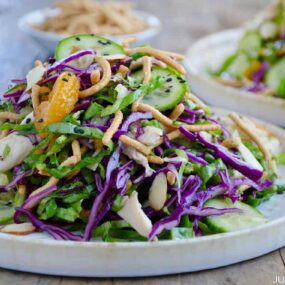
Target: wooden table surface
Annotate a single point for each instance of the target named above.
(183, 21)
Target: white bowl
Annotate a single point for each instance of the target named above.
(50, 40)
(210, 52)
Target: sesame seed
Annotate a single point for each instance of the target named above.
(78, 130)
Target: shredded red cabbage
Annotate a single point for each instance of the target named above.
(174, 218)
(16, 180)
(57, 232)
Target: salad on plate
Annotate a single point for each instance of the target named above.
(107, 142)
(258, 63)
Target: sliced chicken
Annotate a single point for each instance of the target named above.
(249, 157)
(19, 146)
(138, 158)
(34, 76)
(133, 214)
(151, 135)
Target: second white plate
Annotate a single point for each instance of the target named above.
(210, 52)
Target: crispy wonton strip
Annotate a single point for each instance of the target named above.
(76, 150)
(123, 70)
(155, 159)
(197, 101)
(115, 57)
(178, 110)
(83, 150)
(161, 56)
(113, 128)
(95, 76)
(103, 82)
(135, 144)
(177, 56)
(193, 128)
(9, 116)
(146, 60)
(128, 41)
(146, 69)
(22, 189)
(245, 129)
(35, 96)
(52, 182)
(231, 143)
(156, 114)
(70, 161)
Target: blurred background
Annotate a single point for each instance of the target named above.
(183, 22)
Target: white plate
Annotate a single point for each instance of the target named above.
(50, 40)
(210, 52)
(38, 253)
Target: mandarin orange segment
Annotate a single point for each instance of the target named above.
(255, 66)
(63, 97)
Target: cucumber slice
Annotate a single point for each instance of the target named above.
(250, 43)
(169, 94)
(275, 77)
(75, 43)
(239, 65)
(249, 218)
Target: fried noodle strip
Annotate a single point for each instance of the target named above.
(178, 110)
(146, 61)
(95, 76)
(113, 128)
(103, 82)
(135, 144)
(155, 159)
(35, 96)
(9, 116)
(197, 101)
(161, 56)
(70, 161)
(156, 114)
(123, 70)
(128, 41)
